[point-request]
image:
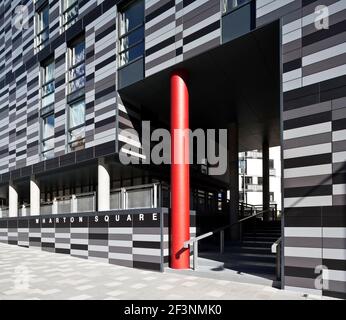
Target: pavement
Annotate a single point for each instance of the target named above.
(39, 275)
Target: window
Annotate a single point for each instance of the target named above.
(42, 27)
(131, 33)
(76, 72)
(271, 196)
(48, 136)
(76, 132)
(47, 108)
(271, 164)
(229, 5)
(242, 166)
(248, 180)
(69, 13)
(76, 82)
(260, 180)
(47, 83)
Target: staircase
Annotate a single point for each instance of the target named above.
(250, 257)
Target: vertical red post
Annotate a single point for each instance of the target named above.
(180, 175)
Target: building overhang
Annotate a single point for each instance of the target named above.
(236, 80)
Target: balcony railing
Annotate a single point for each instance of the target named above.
(254, 187)
(254, 154)
(83, 202)
(3, 212)
(142, 196)
(46, 207)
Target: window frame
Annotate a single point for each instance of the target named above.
(43, 82)
(40, 44)
(46, 110)
(72, 66)
(45, 139)
(65, 24)
(226, 10)
(71, 129)
(129, 32)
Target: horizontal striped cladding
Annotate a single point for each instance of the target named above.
(102, 66)
(132, 238)
(307, 150)
(17, 90)
(312, 55)
(128, 118)
(305, 217)
(270, 10)
(19, 81)
(178, 30)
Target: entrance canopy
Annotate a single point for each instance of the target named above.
(237, 80)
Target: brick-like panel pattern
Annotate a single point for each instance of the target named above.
(132, 238)
(314, 143)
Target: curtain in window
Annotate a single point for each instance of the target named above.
(132, 17)
(68, 3)
(78, 53)
(48, 127)
(77, 114)
(43, 19)
(48, 145)
(49, 72)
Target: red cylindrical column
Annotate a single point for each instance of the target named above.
(180, 173)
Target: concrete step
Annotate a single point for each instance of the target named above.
(261, 238)
(263, 232)
(259, 231)
(252, 250)
(214, 268)
(257, 243)
(251, 269)
(243, 257)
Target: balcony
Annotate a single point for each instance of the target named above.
(84, 202)
(143, 196)
(3, 212)
(254, 187)
(272, 172)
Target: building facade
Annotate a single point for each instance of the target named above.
(76, 75)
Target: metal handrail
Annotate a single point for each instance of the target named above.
(276, 248)
(141, 186)
(85, 194)
(194, 241)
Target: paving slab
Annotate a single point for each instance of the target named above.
(37, 275)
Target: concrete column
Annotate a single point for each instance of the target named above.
(74, 208)
(24, 211)
(55, 206)
(13, 200)
(35, 195)
(3, 195)
(233, 156)
(103, 188)
(265, 179)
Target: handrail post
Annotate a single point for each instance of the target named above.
(222, 241)
(241, 232)
(195, 255)
(278, 262)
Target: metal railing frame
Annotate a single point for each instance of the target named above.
(276, 248)
(156, 194)
(194, 241)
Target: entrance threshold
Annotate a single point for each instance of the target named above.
(214, 269)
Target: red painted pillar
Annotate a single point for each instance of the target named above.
(180, 175)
